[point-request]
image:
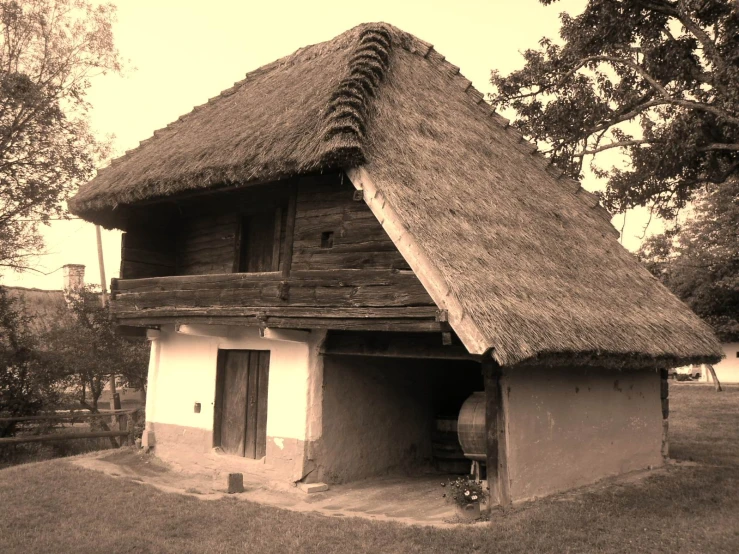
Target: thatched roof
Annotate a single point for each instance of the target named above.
(44, 307)
(526, 263)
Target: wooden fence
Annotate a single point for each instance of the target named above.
(125, 420)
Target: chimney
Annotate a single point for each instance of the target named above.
(74, 277)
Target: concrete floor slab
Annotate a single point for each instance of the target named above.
(412, 500)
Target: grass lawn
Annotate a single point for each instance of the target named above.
(57, 507)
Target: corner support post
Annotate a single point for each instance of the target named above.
(495, 432)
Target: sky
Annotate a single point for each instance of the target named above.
(180, 53)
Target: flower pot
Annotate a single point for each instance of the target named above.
(469, 511)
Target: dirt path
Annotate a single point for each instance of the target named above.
(408, 500)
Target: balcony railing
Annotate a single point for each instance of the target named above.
(352, 299)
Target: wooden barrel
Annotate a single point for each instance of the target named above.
(471, 427)
(448, 455)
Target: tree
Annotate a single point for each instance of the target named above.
(657, 80)
(49, 51)
(85, 347)
(699, 261)
(28, 384)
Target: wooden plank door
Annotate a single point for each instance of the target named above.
(242, 383)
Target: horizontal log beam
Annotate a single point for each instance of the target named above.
(179, 282)
(394, 345)
(85, 415)
(414, 312)
(393, 324)
(324, 299)
(63, 436)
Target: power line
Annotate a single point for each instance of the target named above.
(50, 219)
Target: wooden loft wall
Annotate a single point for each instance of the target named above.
(206, 244)
(148, 251)
(201, 235)
(357, 239)
(334, 266)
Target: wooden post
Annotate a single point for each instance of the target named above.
(101, 263)
(287, 260)
(665, 399)
(495, 429)
(115, 398)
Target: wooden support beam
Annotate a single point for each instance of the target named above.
(287, 258)
(129, 331)
(202, 330)
(284, 335)
(62, 436)
(69, 415)
(495, 432)
(402, 313)
(393, 345)
(347, 324)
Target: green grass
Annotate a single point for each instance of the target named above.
(57, 507)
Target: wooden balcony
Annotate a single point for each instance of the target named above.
(346, 299)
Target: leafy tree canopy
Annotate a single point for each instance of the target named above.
(657, 80)
(49, 51)
(27, 383)
(67, 362)
(85, 346)
(699, 261)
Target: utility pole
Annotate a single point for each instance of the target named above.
(115, 399)
(101, 263)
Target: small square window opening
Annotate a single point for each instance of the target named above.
(327, 239)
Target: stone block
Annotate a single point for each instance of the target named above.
(147, 439)
(235, 483)
(309, 488)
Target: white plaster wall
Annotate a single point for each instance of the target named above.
(727, 370)
(187, 374)
(572, 426)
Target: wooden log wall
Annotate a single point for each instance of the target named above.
(147, 252)
(207, 244)
(337, 299)
(333, 266)
(358, 240)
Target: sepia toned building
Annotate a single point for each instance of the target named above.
(334, 254)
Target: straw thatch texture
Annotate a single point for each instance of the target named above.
(44, 307)
(535, 267)
(530, 259)
(302, 113)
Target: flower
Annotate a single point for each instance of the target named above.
(474, 497)
(466, 493)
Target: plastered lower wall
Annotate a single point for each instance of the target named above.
(727, 370)
(183, 372)
(569, 427)
(377, 416)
